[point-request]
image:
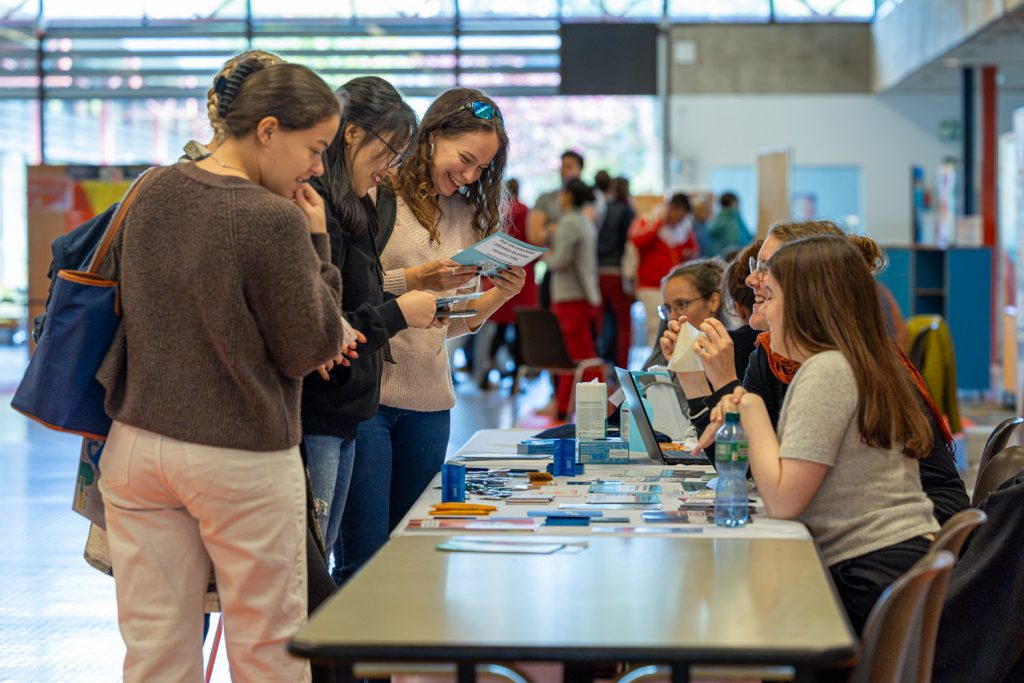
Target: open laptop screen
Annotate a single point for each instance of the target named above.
(642, 419)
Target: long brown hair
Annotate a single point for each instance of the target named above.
(788, 231)
(448, 116)
(254, 59)
(817, 272)
(735, 292)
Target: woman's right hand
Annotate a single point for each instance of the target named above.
(312, 206)
(441, 275)
(418, 308)
(671, 336)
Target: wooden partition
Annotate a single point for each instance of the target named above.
(773, 187)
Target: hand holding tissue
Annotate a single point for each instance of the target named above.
(683, 358)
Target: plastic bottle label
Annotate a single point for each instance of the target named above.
(732, 452)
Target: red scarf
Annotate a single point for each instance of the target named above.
(785, 368)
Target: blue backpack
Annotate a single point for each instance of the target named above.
(74, 251)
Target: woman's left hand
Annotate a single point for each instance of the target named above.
(508, 281)
(715, 350)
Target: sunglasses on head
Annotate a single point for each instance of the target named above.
(482, 110)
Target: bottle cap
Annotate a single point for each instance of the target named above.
(732, 417)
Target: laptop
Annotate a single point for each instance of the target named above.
(665, 453)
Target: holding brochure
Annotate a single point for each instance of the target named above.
(498, 251)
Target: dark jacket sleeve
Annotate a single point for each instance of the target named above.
(377, 323)
(758, 379)
(939, 478)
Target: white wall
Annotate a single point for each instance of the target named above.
(883, 135)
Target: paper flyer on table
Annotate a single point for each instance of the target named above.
(498, 250)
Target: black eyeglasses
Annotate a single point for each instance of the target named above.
(483, 110)
(675, 309)
(396, 156)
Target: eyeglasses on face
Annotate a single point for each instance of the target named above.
(394, 157)
(482, 110)
(758, 266)
(675, 309)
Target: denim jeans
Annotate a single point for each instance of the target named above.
(329, 460)
(398, 453)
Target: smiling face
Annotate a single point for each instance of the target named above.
(756, 283)
(772, 308)
(460, 160)
(289, 158)
(370, 157)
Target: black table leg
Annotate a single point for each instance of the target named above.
(680, 673)
(466, 672)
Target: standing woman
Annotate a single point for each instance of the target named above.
(377, 127)
(449, 193)
(844, 460)
(223, 316)
(575, 294)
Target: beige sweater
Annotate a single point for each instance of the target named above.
(420, 378)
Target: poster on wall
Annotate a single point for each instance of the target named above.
(1018, 133)
(946, 205)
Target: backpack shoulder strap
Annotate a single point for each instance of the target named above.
(115, 223)
(386, 212)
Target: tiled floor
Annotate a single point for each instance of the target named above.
(58, 619)
(57, 615)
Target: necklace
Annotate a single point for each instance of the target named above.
(223, 165)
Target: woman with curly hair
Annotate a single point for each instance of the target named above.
(448, 196)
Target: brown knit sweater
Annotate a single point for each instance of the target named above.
(227, 304)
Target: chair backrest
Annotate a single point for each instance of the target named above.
(1002, 466)
(998, 439)
(893, 626)
(950, 538)
(541, 344)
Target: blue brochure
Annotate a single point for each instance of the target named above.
(498, 251)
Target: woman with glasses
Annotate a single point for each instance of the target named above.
(769, 372)
(448, 196)
(377, 127)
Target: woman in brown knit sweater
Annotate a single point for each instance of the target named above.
(229, 299)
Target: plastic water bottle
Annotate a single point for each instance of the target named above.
(731, 453)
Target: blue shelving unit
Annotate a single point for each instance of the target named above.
(956, 284)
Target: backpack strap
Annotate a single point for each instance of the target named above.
(386, 212)
(115, 224)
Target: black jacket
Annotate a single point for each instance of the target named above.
(939, 478)
(336, 407)
(981, 633)
(612, 236)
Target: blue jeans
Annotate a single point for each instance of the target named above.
(329, 460)
(398, 453)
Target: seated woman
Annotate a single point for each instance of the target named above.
(850, 433)
(769, 373)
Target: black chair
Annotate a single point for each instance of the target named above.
(542, 347)
(1005, 464)
(998, 439)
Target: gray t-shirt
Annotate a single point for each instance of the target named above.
(871, 498)
(548, 204)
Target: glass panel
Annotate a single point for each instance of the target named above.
(112, 132)
(720, 10)
(18, 45)
(619, 134)
(549, 41)
(18, 10)
(508, 8)
(19, 119)
(632, 9)
(824, 10)
(419, 9)
(314, 9)
(149, 9)
(491, 81)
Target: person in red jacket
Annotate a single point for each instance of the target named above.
(662, 244)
